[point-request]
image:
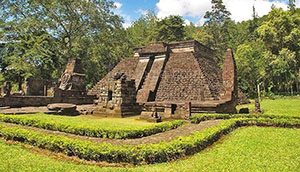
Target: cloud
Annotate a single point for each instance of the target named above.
(118, 5)
(142, 12)
(298, 3)
(240, 9)
(187, 22)
(127, 18)
(243, 9)
(193, 8)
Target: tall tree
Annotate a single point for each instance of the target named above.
(142, 30)
(219, 14)
(253, 24)
(218, 24)
(170, 29)
(46, 33)
(292, 5)
(251, 66)
(280, 32)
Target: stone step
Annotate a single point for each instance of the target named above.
(151, 80)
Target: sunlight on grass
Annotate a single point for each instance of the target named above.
(289, 106)
(89, 121)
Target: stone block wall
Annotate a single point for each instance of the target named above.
(213, 76)
(36, 87)
(229, 76)
(126, 66)
(183, 80)
(118, 98)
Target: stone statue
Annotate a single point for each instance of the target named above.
(7, 89)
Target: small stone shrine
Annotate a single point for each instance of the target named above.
(118, 97)
(71, 83)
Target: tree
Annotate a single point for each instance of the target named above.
(143, 30)
(280, 32)
(47, 33)
(170, 29)
(292, 5)
(199, 34)
(251, 65)
(218, 24)
(253, 24)
(218, 15)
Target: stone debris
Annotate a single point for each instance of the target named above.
(63, 109)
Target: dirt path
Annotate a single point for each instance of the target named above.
(185, 130)
(40, 109)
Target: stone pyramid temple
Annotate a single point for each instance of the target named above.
(172, 78)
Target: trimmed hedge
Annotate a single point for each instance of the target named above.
(141, 154)
(197, 118)
(93, 131)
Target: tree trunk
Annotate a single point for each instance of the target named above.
(20, 83)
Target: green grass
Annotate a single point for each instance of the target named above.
(246, 149)
(117, 128)
(289, 106)
(89, 120)
(282, 107)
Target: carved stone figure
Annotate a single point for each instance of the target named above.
(7, 89)
(71, 82)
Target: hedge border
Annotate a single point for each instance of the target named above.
(94, 132)
(197, 118)
(141, 154)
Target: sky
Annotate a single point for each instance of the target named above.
(193, 10)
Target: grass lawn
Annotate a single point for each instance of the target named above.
(246, 149)
(282, 107)
(289, 106)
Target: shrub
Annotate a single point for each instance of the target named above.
(113, 133)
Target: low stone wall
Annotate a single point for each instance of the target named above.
(24, 101)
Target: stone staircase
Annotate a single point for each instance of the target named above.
(141, 71)
(149, 86)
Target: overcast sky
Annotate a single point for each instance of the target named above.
(193, 10)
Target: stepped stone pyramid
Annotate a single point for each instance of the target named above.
(167, 76)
